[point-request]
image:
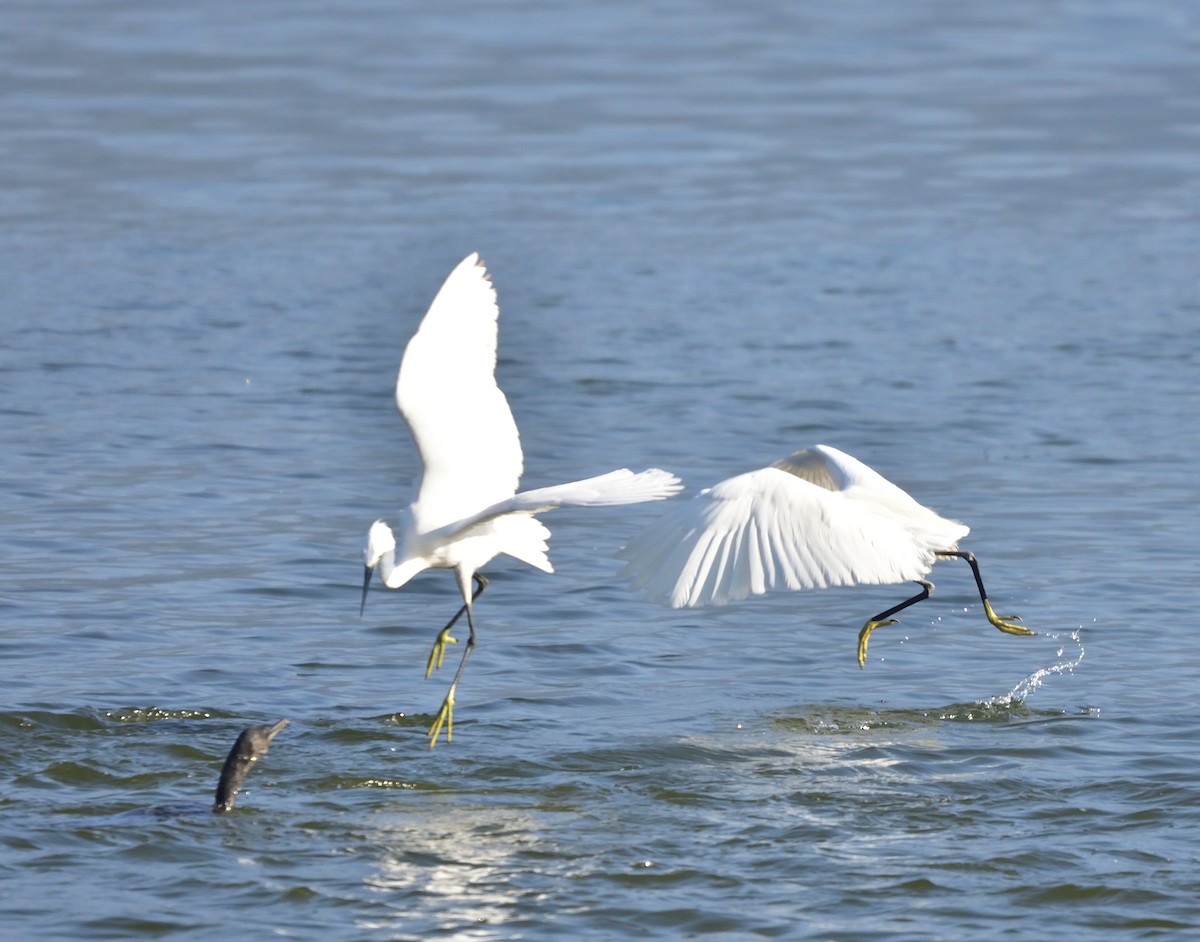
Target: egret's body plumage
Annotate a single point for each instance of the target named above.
(814, 519)
(467, 509)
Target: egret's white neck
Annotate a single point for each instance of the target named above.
(380, 554)
(395, 575)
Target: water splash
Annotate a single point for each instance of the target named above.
(1031, 683)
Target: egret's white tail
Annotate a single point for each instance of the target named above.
(524, 537)
(605, 490)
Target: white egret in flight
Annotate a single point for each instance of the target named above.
(467, 509)
(816, 518)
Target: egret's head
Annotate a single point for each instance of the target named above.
(380, 541)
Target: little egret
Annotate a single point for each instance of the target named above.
(467, 510)
(817, 518)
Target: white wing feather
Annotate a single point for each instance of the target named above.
(863, 485)
(511, 527)
(776, 528)
(605, 490)
(447, 393)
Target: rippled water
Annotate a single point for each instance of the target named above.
(958, 242)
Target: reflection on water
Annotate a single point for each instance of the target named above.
(461, 871)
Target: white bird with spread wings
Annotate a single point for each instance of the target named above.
(467, 509)
(814, 519)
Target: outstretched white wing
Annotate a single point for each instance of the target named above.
(447, 393)
(604, 490)
(777, 528)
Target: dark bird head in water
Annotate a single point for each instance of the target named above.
(250, 745)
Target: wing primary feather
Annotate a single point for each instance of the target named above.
(756, 566)
(724, 569)
(703, 561)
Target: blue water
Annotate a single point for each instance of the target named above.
(958, 242)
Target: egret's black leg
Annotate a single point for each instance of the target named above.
(446, 713)
(439, 646)
(884, 618)
(1003, 622)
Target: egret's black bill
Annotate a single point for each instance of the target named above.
(367, 574)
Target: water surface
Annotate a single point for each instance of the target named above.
(958, 243)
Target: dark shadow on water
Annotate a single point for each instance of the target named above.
(826, 720)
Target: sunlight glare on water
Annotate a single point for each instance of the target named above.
(956, 241)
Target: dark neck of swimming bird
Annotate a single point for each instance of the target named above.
(252, 744)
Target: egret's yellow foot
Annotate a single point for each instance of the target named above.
(1005, 622)
(445, 716)
(864, 636)
(439, 651)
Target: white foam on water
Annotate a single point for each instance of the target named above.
(1031, 683)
